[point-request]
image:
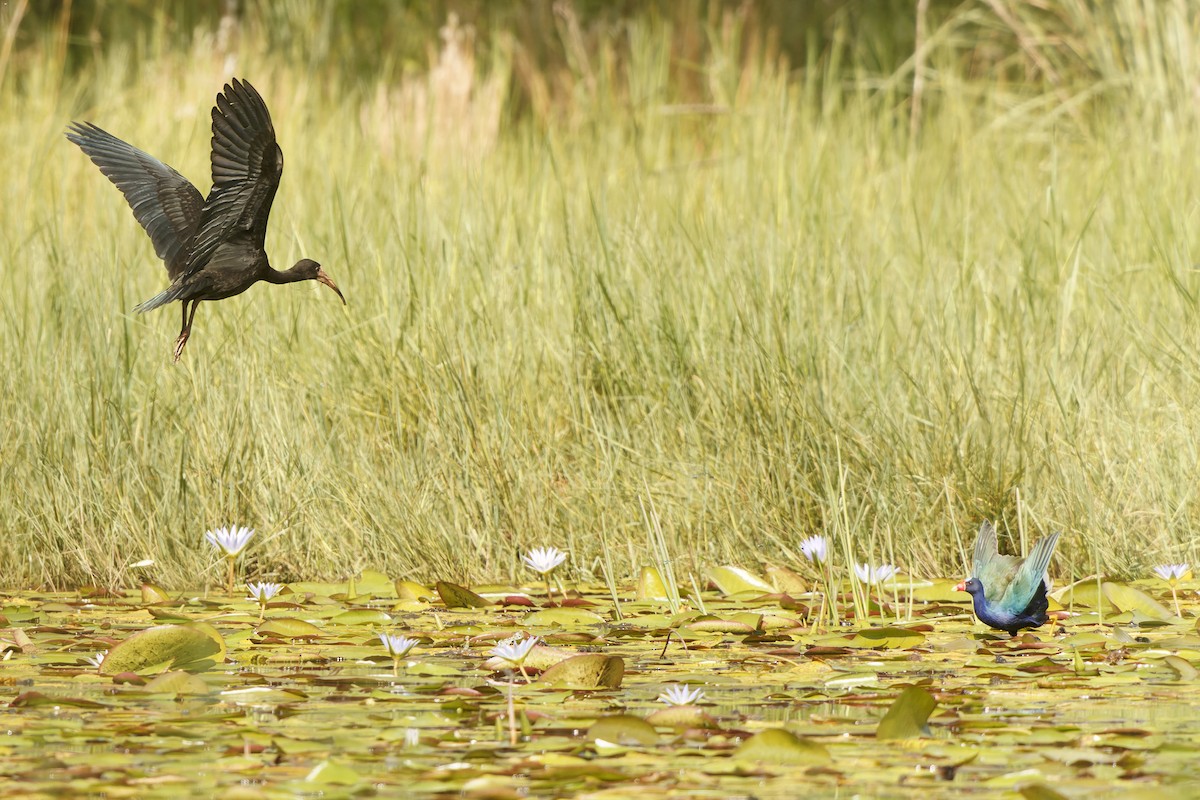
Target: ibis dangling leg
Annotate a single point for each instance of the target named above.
(186, 330)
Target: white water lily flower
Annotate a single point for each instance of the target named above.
(678, 694)
(1171, 572)
(396, 645)
(815, 548)
(262, 592)
(97, 659)
(230, 541)
(875, 575)
(544, 559)
(515, 649)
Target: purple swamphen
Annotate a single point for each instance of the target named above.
(1009, 593)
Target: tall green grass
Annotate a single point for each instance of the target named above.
(767, 315)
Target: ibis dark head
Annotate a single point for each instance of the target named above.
(308, 270)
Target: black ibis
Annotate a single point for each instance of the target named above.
(213, 248)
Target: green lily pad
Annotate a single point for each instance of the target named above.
(717, 625)
(623, 729)
(1086, 593)
(194, 646)
(1183, 669)
(651, 586)
(455, 596)
(680, 717)
(908, 716)
(735, 580)
(153, 594)
(361, 616)
(409, 590)
(332, 773)
(39, 700)
(785, 580)
(564, 618)
(289, 628)
(889, 638)
(375, 583)
(938, 591)
(779, 747)
(1129, 599)
(177, 682)
(587, 671)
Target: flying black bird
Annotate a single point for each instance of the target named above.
(213, 248)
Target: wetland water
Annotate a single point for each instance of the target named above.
(306, 702)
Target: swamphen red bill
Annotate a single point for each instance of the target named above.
(1009, 593)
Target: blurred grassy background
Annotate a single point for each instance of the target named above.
(871, 269)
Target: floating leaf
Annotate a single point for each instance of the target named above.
(317, 589)
(289, 628)
(167, 614)
(564, 618)
(361, 616)
(1127, 598)
(908, 716)
(177, 682)
(848, 680)
(587, 671)
(1085, 593)
(716, 625)
(330, 772)
(540, 657)
(1183, 668)
(782, 748)
(194, 646)
(784, 580)
(937, 591)
(39, 700)
(889, 638)
(408, 590)
(623, 729)
(680, 717)
(650, 586)
(455, 596)
(735, 580)
(374, 583)
(20, 640)
(154, 594)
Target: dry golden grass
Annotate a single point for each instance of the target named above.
(766, 315)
